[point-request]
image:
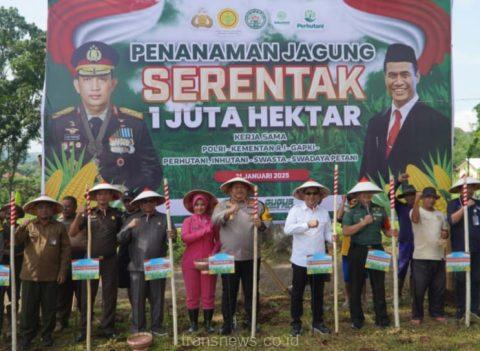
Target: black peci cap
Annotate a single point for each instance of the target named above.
(400, 53)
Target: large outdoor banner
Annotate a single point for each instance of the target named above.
(277, 91)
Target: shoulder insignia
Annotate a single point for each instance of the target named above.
(63, 112)
(131, 112)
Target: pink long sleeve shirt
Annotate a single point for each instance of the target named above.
(200, 237)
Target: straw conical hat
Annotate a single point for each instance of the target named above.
(117, 193)
(30, 206)
(365, 186)
(187, 199)
(225, 186)
(147, 194)
(457, 187)
(297, 193)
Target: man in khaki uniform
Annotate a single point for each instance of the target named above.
(45, 263)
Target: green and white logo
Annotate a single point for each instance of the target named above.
(281, 18)
(310, 16)
(255, 18)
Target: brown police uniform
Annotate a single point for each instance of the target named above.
(46, 257)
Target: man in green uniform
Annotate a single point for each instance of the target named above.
(364, 223)
(45, 264)
(115, 138)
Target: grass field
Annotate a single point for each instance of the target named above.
(274, 322)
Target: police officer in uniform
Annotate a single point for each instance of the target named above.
(115, 138)
(106, 222)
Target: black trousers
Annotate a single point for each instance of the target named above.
(475, 285)
(357, 257)
(230, 285)
(36, 296)
(154, 291)
(300, 278)
(428, 275)
(109, 276)
(66, 292)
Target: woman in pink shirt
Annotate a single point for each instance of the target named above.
(202, 240)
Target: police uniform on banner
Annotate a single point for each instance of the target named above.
(118, 140)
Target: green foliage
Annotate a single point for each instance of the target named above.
(22, 55)
(466, 144)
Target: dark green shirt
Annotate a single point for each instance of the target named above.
(370, 234)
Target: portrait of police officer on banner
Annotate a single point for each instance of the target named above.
(115, 138)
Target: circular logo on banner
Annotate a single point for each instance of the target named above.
(202, 19)
(255, 18)
(281, 18)
(281, 15)
(227, 18)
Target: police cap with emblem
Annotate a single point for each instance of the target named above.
(94, 58)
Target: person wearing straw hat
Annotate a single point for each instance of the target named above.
(456, 221)
(147, 237)
(106, 222)
(349, 201)
(364, 223)
(78, 245)
(310, 226)
(5, 260)
(45, 264)
(202, 240)
(428, 264)
(236, 221)
(403, 205)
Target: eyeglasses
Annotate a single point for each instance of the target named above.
(312, 193)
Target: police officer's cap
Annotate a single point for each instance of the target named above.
(400, 53)
(94, 58)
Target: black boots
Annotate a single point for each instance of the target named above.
(207, 321)
(193, 315)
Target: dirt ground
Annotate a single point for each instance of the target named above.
(274, 321)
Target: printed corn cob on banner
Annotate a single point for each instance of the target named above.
(435, 174)
(277, 92)
(67, 176)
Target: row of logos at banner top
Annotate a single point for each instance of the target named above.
(229, 19)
